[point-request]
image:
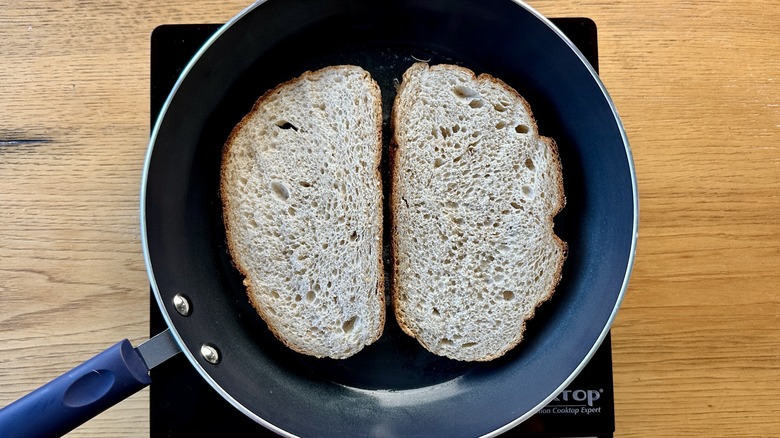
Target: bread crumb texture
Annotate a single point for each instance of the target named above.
(302, 202)
(475, 190)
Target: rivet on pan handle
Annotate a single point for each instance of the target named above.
(182, 304)
(210, 353)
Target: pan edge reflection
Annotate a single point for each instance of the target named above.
(392, 398)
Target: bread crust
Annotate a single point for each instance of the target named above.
(227, 204)
(395, 205)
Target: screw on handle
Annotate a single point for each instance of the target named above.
(78, 395)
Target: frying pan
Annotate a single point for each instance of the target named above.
(393, 387)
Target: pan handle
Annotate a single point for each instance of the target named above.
(66, 402)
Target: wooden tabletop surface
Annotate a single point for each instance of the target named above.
(696, 344)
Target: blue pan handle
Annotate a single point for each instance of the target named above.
(68, 401)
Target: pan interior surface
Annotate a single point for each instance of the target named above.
(393, 387)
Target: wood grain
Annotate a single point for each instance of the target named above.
(697, 85)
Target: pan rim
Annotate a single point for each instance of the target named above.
(246, 411)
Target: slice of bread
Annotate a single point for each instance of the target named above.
(302, 205)
(474, 192)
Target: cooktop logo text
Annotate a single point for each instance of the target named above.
(574, 402)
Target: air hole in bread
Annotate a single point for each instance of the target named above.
(445, 341)
(445, 131)
(284, 124)
(435, 312)
(438, 162)
(528, 191)
(469, 344)
(273, 293)
(529, 164)
(353, 237)
(508, 295)
(280, 190)
(451, 204)
(455, 128)
(477, 103)
(464, 92)
(522, 129)
(499, 107)
(306, 184)
(501, 125)
(291, 211)
(320, 106)
(458, 220)
(349, 324)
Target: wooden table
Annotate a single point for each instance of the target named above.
(697, 341)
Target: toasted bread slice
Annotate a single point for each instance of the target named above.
(302, 205)
(474, 192)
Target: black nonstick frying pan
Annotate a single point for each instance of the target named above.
(394, 387)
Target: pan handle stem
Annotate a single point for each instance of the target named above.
(78, 395)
